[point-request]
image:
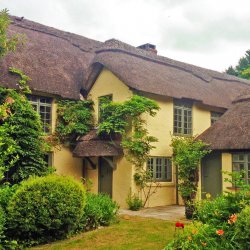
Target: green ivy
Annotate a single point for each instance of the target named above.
(74, 119)
(187, 153)
(126, 120)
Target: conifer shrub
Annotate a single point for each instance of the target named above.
(45, 209)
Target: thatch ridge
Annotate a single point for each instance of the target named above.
(147, 72)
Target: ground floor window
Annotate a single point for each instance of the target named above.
(241, 162)
(48, 158)
(160, 168)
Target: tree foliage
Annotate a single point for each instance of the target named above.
(21, 143)
(7, 43)
(74, 119)
(242, 69)
(126, 119)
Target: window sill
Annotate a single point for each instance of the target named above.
(163, 184)
(233, 188)
(183, 135)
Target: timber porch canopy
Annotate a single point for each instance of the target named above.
(93, 145)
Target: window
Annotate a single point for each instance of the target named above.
(215, 117)
(241, 162)
(102, 100)
(182, 118)
(43, 107)
(160, 168)
(48, 159)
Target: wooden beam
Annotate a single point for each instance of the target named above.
(110, 162)
(92, 164)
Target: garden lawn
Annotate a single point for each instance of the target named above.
(129, 233)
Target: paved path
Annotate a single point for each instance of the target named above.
(172, 213)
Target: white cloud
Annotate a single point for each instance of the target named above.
(208, 33)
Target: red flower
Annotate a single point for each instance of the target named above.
(220, 232)
(179, 224)
(232, 219)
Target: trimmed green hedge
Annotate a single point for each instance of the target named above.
(45, 209)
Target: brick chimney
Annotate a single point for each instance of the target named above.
(148, 47)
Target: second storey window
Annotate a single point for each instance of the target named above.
(160, 168)
(241, 162)
(215, 117)
(102, 100)
(182, 118)
(43, 106)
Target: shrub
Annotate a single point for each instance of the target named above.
(134, 202)
(242, 228)
(45, 209)
(214, 211)
(6, 192)
(2, 224)
(100, 210)
(203, 236)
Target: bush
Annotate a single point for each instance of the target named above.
(242, 228)
(100, 210)
(214, 211)
(2, 224)
(6, 192)
(45, 209)
(134, 202)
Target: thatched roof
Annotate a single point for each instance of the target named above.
(65, 64)
(145, 71)
(57, 61)
(92, 145)
(232, 130)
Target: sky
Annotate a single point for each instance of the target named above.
(209, 33)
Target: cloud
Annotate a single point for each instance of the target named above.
(193, 28)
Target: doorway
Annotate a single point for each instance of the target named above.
(211, 176)
(105, 176)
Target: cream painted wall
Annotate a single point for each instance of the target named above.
(226, 166)
(160, 126)
(201, 119)
(106, 84)
(62, 158)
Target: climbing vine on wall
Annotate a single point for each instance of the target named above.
(187, 153)
(74, 119)
(126, 119)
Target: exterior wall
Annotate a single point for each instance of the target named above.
(62, 158)
(160, 126)
(226, 166)
(107, 83)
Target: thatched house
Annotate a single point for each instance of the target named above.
(66, 65)
(229, 140)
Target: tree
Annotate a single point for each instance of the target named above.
(242, 69)
(7, 43)
(22, 145)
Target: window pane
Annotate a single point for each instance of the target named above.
(43, 106)
(182, 117)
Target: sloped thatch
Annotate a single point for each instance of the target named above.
(232, 130)
(145, 71)
(56, 61)
(92, 145)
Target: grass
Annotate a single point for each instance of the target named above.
(130, 233)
